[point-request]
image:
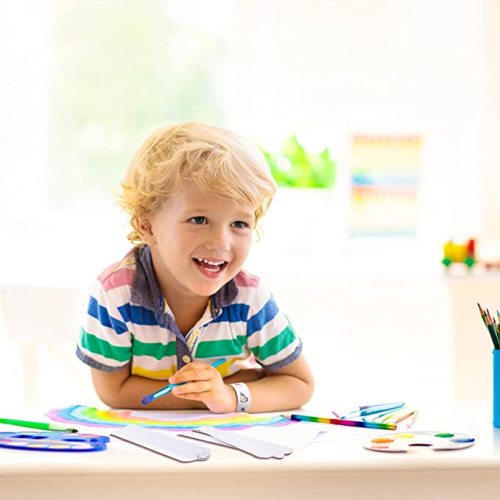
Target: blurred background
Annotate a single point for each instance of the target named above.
(379, 120)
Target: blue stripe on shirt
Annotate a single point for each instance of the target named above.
(138, 315)
(261, 318)
(100, 313)
(233, 313)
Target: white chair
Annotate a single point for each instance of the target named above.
(42, 317)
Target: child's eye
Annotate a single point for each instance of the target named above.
(239, 224)
(199, 219)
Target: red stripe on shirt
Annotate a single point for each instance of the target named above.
(245, 279)
(118, 278)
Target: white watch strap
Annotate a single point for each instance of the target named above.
(243, 397)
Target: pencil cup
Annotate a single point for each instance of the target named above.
(496, 388)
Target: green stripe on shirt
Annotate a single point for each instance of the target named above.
(102, 347)
(154, 349)
(214, 348)
(276, 344)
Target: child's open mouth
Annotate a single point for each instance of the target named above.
(211, 266)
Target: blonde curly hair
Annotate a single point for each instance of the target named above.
(211, 158)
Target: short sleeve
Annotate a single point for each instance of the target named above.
(105, 342)
(270, 335)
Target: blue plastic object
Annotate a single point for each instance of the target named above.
(52, 441)
(496, 388)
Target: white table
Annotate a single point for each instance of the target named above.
(335, 469)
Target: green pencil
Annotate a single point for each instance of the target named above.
(35, 425)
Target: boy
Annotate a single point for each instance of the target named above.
(179, 301)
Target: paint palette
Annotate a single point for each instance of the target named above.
(400, 442)
(52, 441)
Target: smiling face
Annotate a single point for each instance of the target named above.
(199, 241)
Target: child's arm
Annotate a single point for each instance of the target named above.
(283, 389)
(119, 389)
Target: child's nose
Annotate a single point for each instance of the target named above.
(219, 240)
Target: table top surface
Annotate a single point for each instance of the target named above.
(337, 451)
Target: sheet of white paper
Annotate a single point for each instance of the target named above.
(339, 433)
(256, 447)
(296, 435)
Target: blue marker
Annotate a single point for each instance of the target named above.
(158, 394)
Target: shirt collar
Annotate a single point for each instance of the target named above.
(146, 290)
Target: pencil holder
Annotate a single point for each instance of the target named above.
(496, 388)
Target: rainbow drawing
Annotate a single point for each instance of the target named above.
(154, 419)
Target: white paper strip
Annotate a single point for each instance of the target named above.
(256, 447)
(160, 442)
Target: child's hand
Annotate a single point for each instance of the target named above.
(204, 383)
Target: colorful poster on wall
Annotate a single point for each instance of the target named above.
(384, 184)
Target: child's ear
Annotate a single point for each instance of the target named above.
(145, 229)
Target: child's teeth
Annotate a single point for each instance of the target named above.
(211, 262)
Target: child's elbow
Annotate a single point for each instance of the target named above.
(306, 376)
(109, 387)
(106, 395)
(308, 391)
(108, 398)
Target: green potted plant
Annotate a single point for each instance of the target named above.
(294, 166)
(299, 222)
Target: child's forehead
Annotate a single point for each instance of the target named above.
(191, 196)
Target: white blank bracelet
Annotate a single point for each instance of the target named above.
(243, 398)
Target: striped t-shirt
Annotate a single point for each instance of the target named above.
(129, 323)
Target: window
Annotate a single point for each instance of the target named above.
(119, 70)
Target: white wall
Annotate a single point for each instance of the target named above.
(330, 69)
(492, 129)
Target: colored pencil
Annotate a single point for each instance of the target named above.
(35, 425)
(162, 392)
(342, 421)
(492, 330)
(365, 410)
(491, 325)
(483, 314)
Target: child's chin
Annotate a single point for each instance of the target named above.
(208, 290)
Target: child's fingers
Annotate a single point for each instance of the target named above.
(216, 399)
(195, 396)
(192, 388)
(190, 376)
(191, 372)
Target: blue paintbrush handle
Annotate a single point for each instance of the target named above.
(158, 394)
